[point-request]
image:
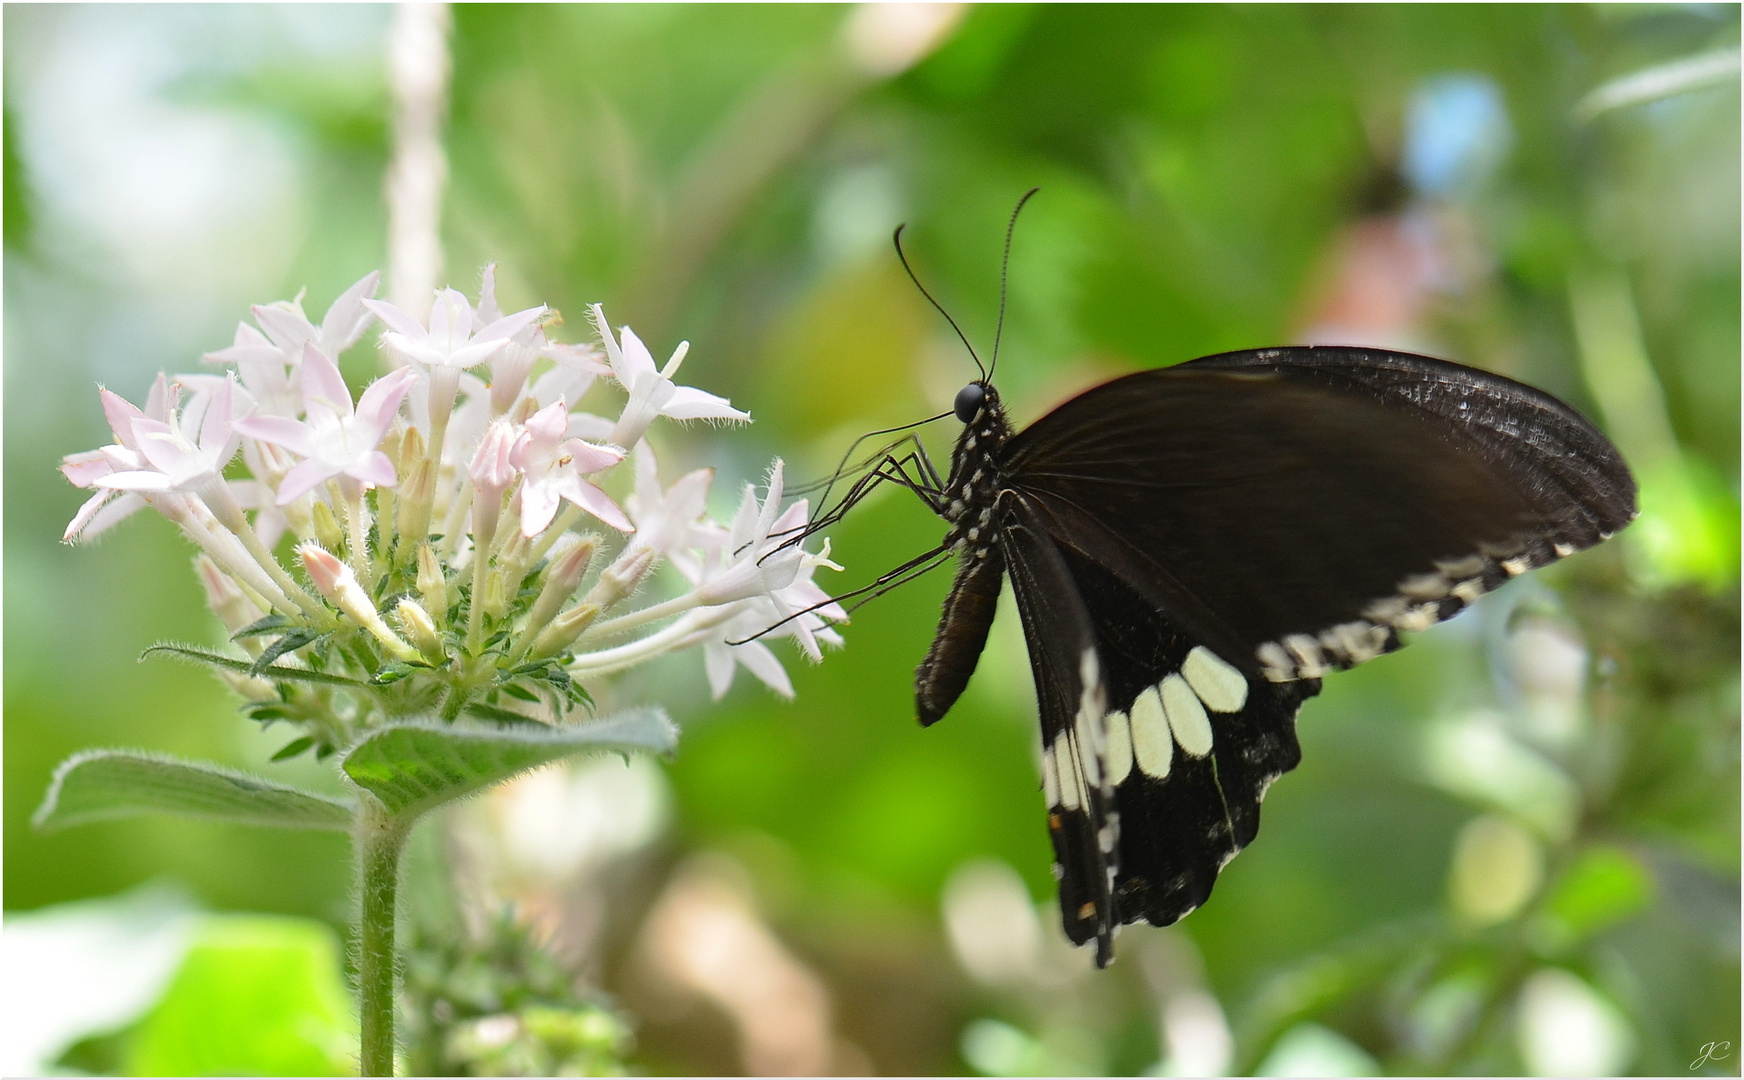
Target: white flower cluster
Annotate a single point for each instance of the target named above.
(436, 516)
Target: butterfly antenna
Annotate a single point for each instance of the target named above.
(900, 254)
(1004, 274)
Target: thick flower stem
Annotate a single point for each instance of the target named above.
(380, 838)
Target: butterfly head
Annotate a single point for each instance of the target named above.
(970, 400)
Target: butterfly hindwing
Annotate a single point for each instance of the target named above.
(1192, 745)
(1071, 701)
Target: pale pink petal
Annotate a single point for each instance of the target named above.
(104, 515)
(548, 424)
(538, 506)
(595, 502)
(170, 455)
(85, 467)
(287, 329)
(589, 458)
(759, 661)
(588, 426)
(688, 498)
(293, 435)
(137, 481)
(121, 414)
(323, 386)
(397, 321)
(249, 345)
(637, 358)
(689, 403)
(375, 469)
(509, 325)
(487, 295)
(380, 401)
(305, 478)
(347, 318)
(621, 369)
(718, 661)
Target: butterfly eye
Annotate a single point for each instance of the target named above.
(969, 400)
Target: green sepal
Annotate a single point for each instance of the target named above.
(416, 766)
(100, 785)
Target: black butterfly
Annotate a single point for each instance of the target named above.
(1192, 547)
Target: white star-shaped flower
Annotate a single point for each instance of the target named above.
(267, 364)
(85, 468)
(453, 337)
(670, 520)
(652, 392)
(554, 465)
(172, 460)
(334, 439)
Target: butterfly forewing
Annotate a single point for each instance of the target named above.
(1295, 517)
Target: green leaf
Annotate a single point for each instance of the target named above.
(98, 785)
(256, 995)
(414, 767)
(207, 656)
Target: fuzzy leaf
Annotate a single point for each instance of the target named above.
(276, 671)
(414, 767)
(97, 785)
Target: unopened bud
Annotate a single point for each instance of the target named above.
(420, 628)
(326, 526)
(621, 578)
(561, 578)
(417, 489)
(432, 586)
(335, 581)
(564, 629)
(234, 609)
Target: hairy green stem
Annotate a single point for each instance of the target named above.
(380, 838)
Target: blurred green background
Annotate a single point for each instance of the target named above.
(1513, 846)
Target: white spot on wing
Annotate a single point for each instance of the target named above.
(1517, 566)
(1069, 789)
(1276, 662)
(1050, 778)
(1152, 745)
(1562, 550)
(1119, 754)
(1424, 586)
(1219, 685)
(1306, 652)
(1186, 715)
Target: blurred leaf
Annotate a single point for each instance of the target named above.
(256, 995)
(99, 785)
(414, 767)
(1603, 887)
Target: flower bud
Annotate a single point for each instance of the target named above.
(621, 578)
(335, 581)
(564, 629)
(327, 531)
(432, 586)
(234, 609)
(561, 578)
(420, 628)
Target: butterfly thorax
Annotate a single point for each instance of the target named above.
(973, 489)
